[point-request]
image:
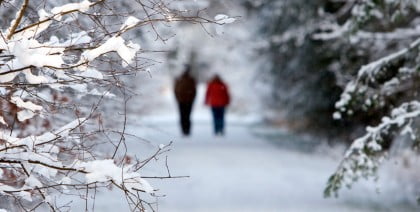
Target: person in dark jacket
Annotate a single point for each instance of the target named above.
(217, 97)
(185, 90)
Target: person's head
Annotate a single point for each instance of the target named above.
(216, 77)
(187, 69)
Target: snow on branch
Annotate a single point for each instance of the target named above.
(28, 107)
(106, 171)
(397, 34)
(368, 75)
(45, 19)
(370, 70)
(126, 51)
(224, 19)
(3, 122)
(364, 11)
(82, 7)
(47, 137)
(366, 153)
(331, 31)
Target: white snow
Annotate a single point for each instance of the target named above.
(117, 44)
(29, 52)
(7, 77)
(2, 121)
(24, 115)
(224, 19)
(106, 170)
(336, 115)
(336, 31)
(129, 22)
(48, 136)
(33, 79)
(82, 6)
(26, 105)
(101, 171)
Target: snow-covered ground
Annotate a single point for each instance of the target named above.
(244, 172)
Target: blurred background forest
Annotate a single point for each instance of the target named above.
(277, 66)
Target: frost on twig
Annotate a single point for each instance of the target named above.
(59, 61)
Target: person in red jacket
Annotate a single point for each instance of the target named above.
(217, 97)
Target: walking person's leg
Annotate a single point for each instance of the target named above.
(214, 114)
(218, 120)
(222, 120)
(188, 109)
(183, 109)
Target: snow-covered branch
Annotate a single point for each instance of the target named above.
(19, 17)
(368, 74)
(58, 63)
(366, 153)
(364, 11)
(373, 90)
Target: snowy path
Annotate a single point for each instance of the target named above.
(241, 172)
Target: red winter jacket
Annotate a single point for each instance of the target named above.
(217, 94)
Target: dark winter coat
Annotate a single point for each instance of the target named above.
(217, 94)
(185, 88)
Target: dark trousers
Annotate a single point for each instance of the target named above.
(185, 113)
(218, 119)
